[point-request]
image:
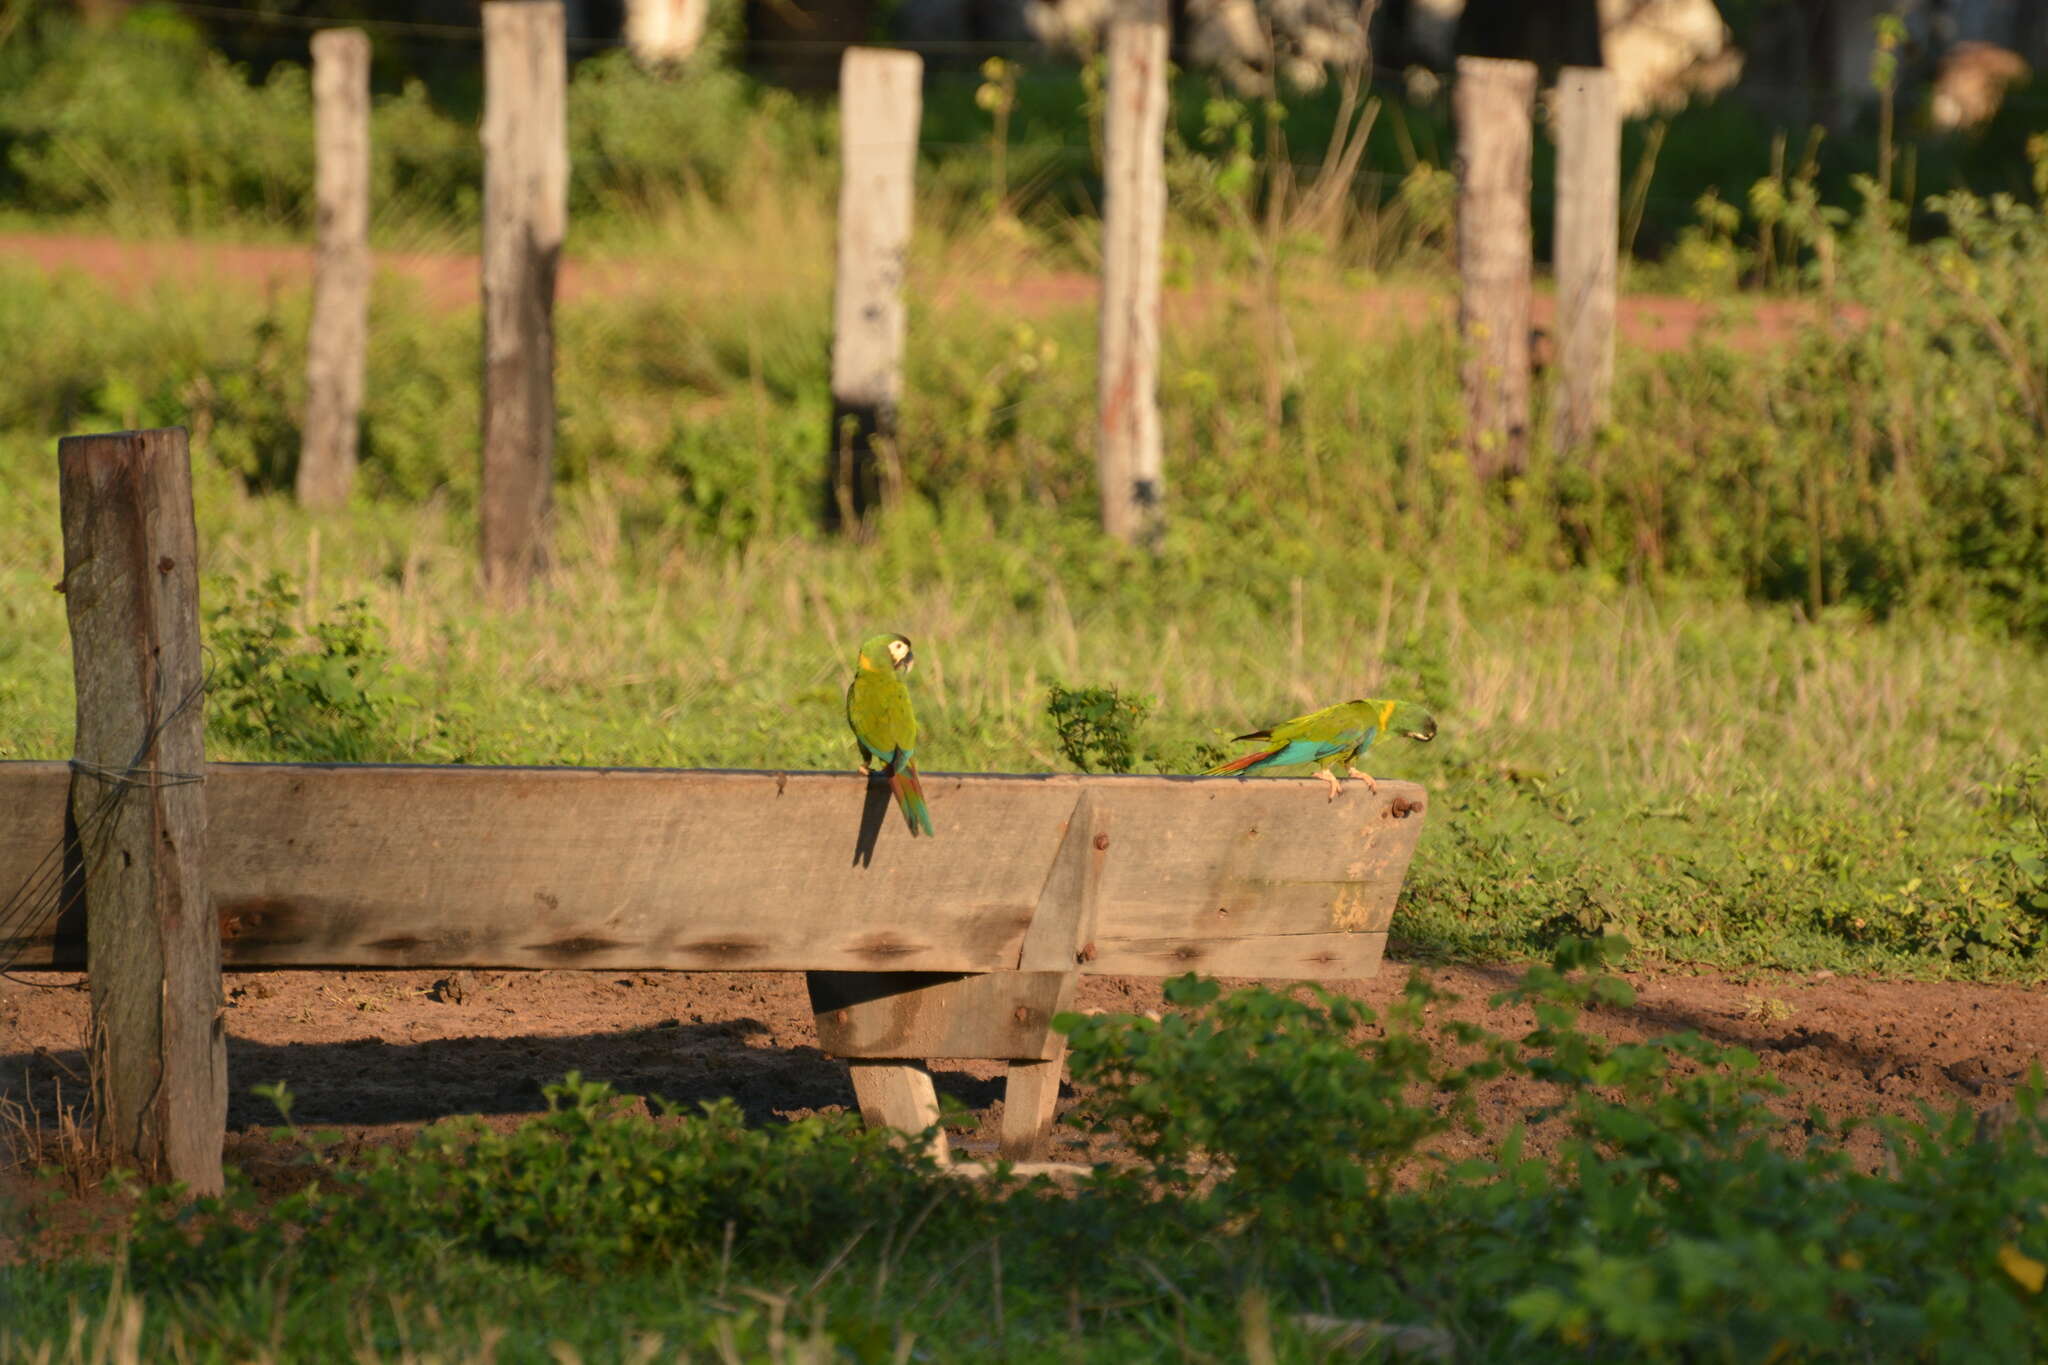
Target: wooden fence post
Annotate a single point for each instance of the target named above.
(339, 333)
(526, 193)
(1129, 466)
(880, 104)
(663, 32)
(1586, 250)
(1491, 103)
(138, 807)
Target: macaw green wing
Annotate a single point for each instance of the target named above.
(878, 709)
(1344, 723)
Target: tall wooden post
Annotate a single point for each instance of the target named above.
(880, 104)
(341, 267)
(138, 806)
(1128, 461)
(526, 207)
(1587, 249)
(1491, 103)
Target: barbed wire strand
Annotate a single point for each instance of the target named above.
(40, 900)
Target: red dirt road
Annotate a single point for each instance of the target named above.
(450, 280)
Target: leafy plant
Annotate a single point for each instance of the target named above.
(1095, 726)
(327, 693)
(596, 1184)
(1196, 1095)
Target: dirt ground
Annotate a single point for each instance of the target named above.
(379, 1054)
(450, 280)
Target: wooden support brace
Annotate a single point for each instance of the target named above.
(887, 1024)
(1060, 939)
(899, 1095)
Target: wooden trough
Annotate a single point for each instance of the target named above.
(151, 868)
(959, 946)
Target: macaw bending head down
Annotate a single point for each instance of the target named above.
(1411, 720)
(1333, 737)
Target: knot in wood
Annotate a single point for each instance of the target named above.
(1101, 842)
(166, 564)
(1022, 1014)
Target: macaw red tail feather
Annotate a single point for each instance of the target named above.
(910, 799)
(1238, 765)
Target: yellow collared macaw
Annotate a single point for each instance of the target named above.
(1333, 735)
(878, 709)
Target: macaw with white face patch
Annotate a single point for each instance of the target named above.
(878, 709)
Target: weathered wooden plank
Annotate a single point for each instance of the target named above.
(131, 583)
(1270, 855)
(391, 866)
(1312, 957)
(997, 1015)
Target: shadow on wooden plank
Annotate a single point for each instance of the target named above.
(874, 810)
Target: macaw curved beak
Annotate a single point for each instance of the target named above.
(1426, 734)
(908, 659)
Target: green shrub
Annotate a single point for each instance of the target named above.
(1673, 1222)
(596, 1185)
(327, 694)
(1095, 726)
(143, 122)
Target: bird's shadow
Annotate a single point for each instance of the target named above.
(873, 811)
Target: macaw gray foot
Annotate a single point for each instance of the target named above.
(1336, 786)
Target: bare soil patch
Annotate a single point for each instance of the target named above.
(449, 280)
(378, 1055)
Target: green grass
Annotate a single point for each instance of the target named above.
(1744, 684)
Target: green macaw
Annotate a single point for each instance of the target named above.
(878, 709)
(1333, 735)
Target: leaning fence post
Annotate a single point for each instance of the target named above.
(339, 334)
(1491, 102)
(138, 807)
(1587, 249)
(526, 209)
(880, 103)
(1128, 460)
